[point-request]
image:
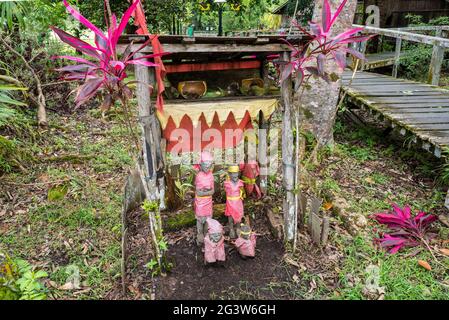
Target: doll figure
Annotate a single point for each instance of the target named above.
(234, 200)
(250, 172)
(204, 189)
(214, 242)
(246, 242)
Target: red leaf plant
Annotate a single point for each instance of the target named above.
(405, 230)
(102, 69)
(326, 48)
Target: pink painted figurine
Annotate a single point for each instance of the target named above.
(214, 242)
(204, 189)
(234, 200)
(246, 242)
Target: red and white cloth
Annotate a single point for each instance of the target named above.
(203, 204)
(234, 201)
(214, 252)
(250, 172)
(245, 247)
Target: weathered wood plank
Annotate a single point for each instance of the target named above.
(397, 57)
(432, 126)
(211, 48)
(403, 94)
(417, 119)
(415, 37)
(411, 105)
(436, 62)
(427, 111)
(416, 99)
(420, 108)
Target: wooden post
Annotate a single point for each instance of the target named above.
(262, 153)
(436, 62)
(263, 137)
(151, 135)
(287, 156)
(363, 50)
(397, 56)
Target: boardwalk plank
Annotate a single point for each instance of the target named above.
(411, 105)
(421, 108)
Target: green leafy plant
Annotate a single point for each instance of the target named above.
(8, 85)
(12, 13)
(19, 280)
(182, 188)
(151, 209)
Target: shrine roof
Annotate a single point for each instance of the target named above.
(181, 45)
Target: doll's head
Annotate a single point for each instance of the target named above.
(215, 237)
(233, 173)
(214, 229)
(206, 161)
(245, 231)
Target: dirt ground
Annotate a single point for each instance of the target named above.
(189, 278)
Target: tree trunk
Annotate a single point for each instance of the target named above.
(288, 165)
(320, 102)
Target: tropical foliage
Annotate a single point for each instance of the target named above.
(102, 70)
(19, 280)
(323, 47)
(404, 229)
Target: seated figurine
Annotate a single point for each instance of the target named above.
(246, 242)
(214, 242)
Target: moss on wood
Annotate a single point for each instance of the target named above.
(186, 218)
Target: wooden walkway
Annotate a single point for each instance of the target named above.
(415, 108)
(376, 60)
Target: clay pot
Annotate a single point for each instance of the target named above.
(252, 84)
(192, 89)
(248, 83)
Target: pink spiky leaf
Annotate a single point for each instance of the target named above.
(76, 43)
(338, 12)
(321, 62)
(326, 16)
(142, 62)
(88, 90)
(340, 59)
(316, 29)
(123, 22)
(78, 16)
(287, 71)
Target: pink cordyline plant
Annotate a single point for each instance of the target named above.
(102, 69)
(326, 47)
(404, 229)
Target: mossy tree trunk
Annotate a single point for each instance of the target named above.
(319, 104)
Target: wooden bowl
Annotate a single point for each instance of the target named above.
(248, 84)
(192, 89)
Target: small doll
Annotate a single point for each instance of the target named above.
(234, 200)
(250, 172)
(214, 242)
(246, 242)
(204, 189)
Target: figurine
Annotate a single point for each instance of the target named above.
(234, 199)
(246, 242)
(204, 189)
(250, 172)
(214, 242)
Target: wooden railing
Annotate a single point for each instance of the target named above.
(439, 42)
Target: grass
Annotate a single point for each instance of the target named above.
(401, 278)
(79, 228)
